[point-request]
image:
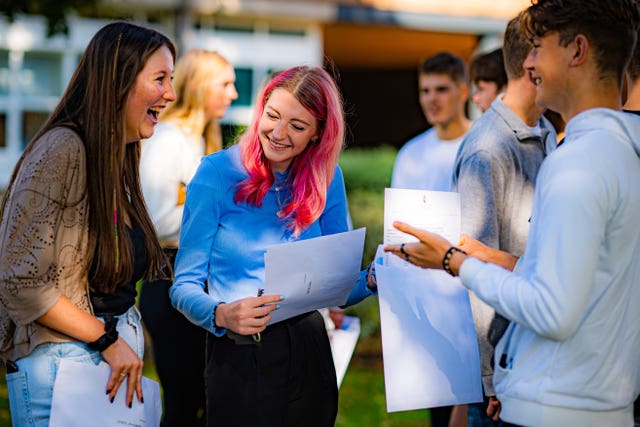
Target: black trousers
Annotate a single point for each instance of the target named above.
(440, 416)
(178, 352)
(288, 379)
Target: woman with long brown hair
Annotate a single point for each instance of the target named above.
(75, 234)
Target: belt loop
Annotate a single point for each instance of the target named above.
(136, 312)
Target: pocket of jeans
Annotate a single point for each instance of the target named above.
(19, 401)
(133, 320)
(93, 358)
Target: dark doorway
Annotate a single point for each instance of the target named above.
(381, 106)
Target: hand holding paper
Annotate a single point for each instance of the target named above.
(427, 253)
(246, 316)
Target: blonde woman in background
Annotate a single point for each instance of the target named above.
(189, 128)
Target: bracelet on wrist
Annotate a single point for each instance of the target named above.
(372, 281)
(215, 312)
(109, 337)
(446, 261)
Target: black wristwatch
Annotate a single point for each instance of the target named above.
(109, 337)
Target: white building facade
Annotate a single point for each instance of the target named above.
(256, 36)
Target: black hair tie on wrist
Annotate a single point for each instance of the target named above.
(109, 337)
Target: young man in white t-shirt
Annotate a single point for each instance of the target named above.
(426, 161)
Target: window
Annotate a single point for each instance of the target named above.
(41, 74)
(291, 32)
(3, 130)
(5, 76)
(244, 86)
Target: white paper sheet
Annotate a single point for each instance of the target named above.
(429, 344)
(79, 400)
(343, 343)
(313, 273)
(435, 211)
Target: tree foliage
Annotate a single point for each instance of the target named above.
(53, 10)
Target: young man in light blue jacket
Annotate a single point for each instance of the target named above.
(570, 355)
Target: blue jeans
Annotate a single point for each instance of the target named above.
(31, 388)
(477, 416)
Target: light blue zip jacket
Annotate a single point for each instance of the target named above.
(571, 355)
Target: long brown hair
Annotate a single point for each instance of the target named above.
(93, 106)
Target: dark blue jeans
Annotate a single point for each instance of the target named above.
(477, 415)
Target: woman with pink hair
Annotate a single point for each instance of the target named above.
(281, 183)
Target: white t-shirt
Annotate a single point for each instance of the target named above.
(426, 163)
(168, 159)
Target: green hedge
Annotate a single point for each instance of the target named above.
(367, 168)
(367, 172)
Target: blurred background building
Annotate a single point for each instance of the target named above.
(372, 46)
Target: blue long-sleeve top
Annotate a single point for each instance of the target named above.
(223, 243)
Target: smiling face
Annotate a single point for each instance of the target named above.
(149, 95)
(285, 129)
(548, 64)
(441, 98)
(221, 92)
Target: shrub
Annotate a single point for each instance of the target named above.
(367, 172)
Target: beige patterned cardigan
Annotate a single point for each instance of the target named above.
(43, 242)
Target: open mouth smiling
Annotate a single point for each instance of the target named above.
(154, 112)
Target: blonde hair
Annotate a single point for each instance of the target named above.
(193, 73)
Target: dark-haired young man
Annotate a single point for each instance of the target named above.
(570, 354)
(426, 161)
(488, 75)
(495, 173)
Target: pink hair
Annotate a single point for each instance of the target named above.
(313, 169)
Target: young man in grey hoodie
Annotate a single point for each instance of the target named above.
(495, 173)
(570, 354)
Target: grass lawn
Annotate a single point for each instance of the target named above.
(5, 417)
